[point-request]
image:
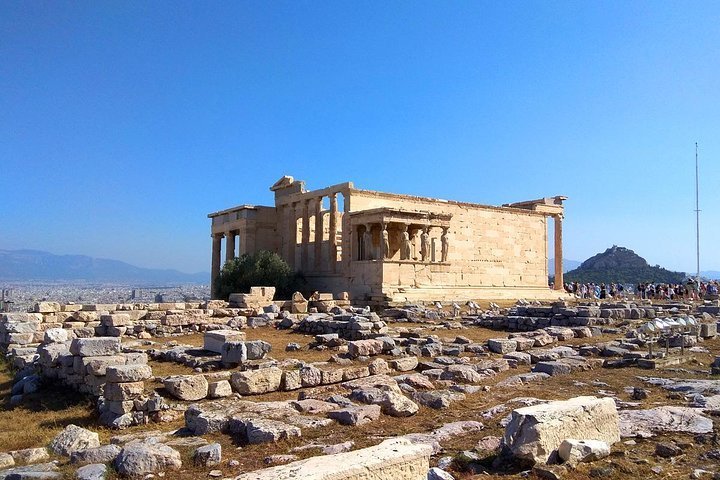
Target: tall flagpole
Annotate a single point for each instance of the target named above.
(697, 215)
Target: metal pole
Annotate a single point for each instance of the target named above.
(697, 217)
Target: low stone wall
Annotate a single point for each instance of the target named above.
(24, 329)
(98, 367)
(530, 317)
(270, 378)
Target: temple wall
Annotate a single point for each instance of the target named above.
(489, 247)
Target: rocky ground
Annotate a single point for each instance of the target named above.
(459, 403)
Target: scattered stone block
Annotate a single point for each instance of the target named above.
(213, 340)
(520, 358)
(187, 387)
(290, 380)
(72, 439)
(30, 455)
(93, 471)
(102, 454)
(219, 389)
(353, 373)
(310, 376)
(208, 455)
(356, 415)
(461, 374)
(234, 352)
(253, 382)
(553, 368)
(576, 451)
(331, 376)
(365, 348)
(665, 419)
(667, 450)
(97, 346)
(502, 345)
(397, 405)
(313, 406)
(378, 367)
(266, 431)
(437, 399)
(137, 459)
(257, 349)
(45, 471)
(404, 364)
(6, 460)
(436, 473)
(395, 459)
(535, 432)
(708, 330)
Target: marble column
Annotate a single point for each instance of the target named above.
(305, 238)
(332, 250)
(292, 235)
(559, 282)
(242, 243)
(229, 246)
(215, 265)
(318, 233)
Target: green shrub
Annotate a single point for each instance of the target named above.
(262, 269)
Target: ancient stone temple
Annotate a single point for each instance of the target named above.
(385, 247)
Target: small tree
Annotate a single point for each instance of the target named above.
(266, 269)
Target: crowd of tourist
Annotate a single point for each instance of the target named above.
(690, 290)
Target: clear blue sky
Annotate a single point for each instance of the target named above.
(122, 124)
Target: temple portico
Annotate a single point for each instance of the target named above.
(383, 247)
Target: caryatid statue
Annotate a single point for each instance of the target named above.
(444, 245)
(385, 242)
(406, 247)
(367, 244)
(425, 245)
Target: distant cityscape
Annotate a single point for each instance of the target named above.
(21, 296)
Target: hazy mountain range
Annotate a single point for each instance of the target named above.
(34, 265)
(567, 265)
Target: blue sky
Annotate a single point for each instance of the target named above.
(122, 124)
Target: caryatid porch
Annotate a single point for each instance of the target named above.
(396, 235)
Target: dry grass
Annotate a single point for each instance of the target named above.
(628, 461)
(40, 418)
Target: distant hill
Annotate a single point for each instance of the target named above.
(567, 265)
(710, 274)
(620, 264)
(33, 265)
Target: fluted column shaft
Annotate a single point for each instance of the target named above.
(559, 281)
(215, 264)
(318, 233)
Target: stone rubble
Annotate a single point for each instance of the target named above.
(374, 370)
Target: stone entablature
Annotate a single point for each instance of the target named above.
(383, 247)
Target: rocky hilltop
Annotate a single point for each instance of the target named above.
(620, 264)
